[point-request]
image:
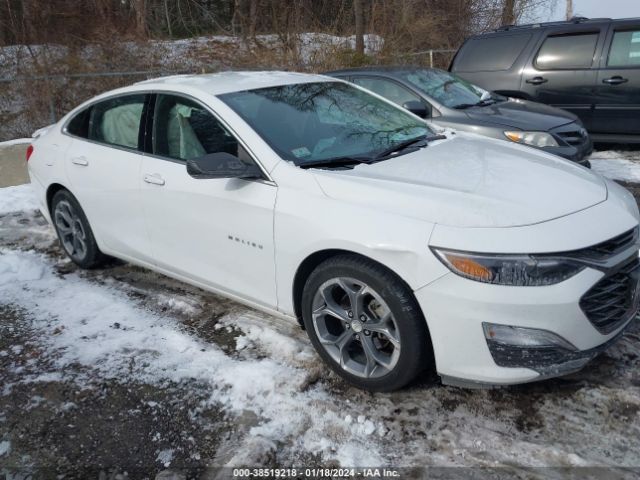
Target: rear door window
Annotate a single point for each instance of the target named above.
(567, 52)
(625, 49)
(490, 53)
(387, 89)
(117, 121)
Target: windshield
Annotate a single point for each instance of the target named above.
(447, 89)
(310, 122)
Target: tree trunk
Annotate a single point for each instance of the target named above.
(168, 18)
(359, 14)
(508, 12)
(253, 18)
(569, 9)
(140, 10)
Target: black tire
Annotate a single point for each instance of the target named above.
(88, 257)
(415, 351)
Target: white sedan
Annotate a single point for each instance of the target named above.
(398, 248)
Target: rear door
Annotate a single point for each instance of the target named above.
(563, 68)
(617, 91)
(103, 167)
(494, 61)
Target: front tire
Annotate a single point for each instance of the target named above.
(364, 321)
(74, 231)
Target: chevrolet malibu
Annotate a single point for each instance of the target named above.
(399, 248)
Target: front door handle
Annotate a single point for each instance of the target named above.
(82, 161)
(617, 80)
(154, 179)
(537, 80)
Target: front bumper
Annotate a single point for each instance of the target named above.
(575, 144)
(456, 309)
(549, 361)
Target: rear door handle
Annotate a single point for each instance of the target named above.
(154, 179)
(82, 161)
(537, 80)
(617, 80)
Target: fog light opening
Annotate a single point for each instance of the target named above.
(524, 337)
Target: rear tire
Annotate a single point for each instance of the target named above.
(74, 231)
(364, 321)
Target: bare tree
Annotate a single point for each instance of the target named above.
(140, 11)
(359, 14)
(508, 12)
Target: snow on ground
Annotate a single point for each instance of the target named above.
(18, 198)
(619, 165)
(127, 326)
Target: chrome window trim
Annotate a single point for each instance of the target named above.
(268, 180)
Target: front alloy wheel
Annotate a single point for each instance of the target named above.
(356, 327)
(365, 323)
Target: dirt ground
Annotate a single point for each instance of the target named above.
(64, 417)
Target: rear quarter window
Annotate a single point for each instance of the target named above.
(490, 53)
(79, 125)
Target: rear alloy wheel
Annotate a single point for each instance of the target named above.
(74, 231)
(365, 323)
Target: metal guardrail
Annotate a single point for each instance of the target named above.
(430, 52)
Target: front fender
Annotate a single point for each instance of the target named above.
(306, 224)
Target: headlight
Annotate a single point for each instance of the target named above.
(535, 139)
(516, 270)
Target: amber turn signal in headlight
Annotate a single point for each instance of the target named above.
(516, 270)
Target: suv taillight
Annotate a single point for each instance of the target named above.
(29, 152)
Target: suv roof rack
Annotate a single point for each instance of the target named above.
(573, 20)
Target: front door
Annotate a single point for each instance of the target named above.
(561, 73)
(218, 232)
(617, 99)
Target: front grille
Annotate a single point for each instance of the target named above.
(575, 138)
(610, 247)
(573, 134)
(613, 300)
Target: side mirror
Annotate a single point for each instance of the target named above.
(221, 165)
(418, 108)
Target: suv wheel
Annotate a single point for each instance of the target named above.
(365, 323)
(74, 231)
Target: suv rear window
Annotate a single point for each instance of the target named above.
(490, 53)
(567, 51)
(625, 49)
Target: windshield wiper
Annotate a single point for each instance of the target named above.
(401, 146)
(481, 103)
(408, 143)
(334, 162)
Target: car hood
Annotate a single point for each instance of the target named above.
(469, 181)
(521, 115)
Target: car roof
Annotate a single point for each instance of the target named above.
(380, 69)
(576, 22)
(227, 82)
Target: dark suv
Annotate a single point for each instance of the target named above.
(590, 67)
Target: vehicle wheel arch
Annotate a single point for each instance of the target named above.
(51, 191)
(313, 260)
